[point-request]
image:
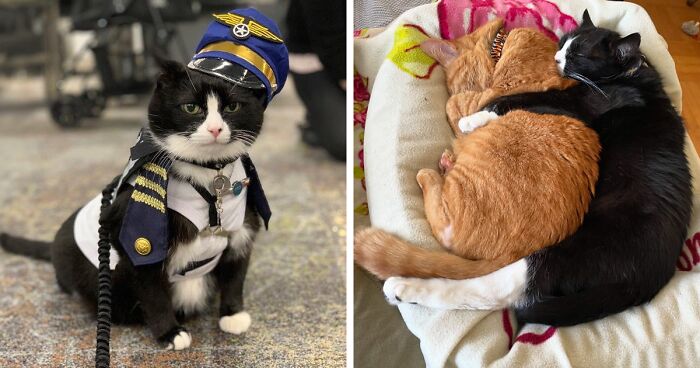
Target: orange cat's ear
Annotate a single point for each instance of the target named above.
(441, 50)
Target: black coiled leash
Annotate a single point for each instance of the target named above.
(104, 283)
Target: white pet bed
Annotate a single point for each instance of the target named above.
(406, 129)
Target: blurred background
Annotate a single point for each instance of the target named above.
(75, 80)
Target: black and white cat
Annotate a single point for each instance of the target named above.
(627, 247)
(196, 120)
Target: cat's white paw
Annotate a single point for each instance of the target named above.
(181, 341)
(235, 324)
(401, 290)
(469, 123)
(392, 290)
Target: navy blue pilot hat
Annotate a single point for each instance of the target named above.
(244, 47)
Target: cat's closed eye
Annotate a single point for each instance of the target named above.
(190, 108)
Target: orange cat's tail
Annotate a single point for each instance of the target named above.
(386, 255)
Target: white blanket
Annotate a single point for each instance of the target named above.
(406, 129)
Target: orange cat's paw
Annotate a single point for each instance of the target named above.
(447, 160)
(427, 177)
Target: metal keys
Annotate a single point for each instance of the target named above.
(222, 186)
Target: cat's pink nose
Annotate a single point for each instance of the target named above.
(215, 131)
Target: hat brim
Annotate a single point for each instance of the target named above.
(227, 70)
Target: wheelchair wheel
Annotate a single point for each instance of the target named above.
(93, 102)
(65, 111)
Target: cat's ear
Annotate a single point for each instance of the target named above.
(441, 50)
(586, 22)
(170, 70)
(627, 47)
(627, 52)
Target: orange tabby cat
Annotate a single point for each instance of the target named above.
(514, 185)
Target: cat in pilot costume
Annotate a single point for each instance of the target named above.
(187, 207)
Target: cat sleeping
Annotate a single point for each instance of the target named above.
(627, 247)
(189, 204)
(487, 207)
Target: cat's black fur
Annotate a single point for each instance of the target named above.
(143, 294)
(627, 247)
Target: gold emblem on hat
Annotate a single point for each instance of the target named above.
(142, 246)
(253, 27)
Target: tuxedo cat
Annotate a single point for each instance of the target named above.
(198, 121)
(627, 247)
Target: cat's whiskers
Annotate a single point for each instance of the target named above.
(243, 135)
(246, 140)
(163, 151)
(160, 157)
(244, 130)
(190, 78)
(587, 82)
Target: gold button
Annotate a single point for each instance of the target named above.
(142, 246)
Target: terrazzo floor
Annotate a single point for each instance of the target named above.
(295, 289)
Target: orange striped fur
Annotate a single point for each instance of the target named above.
(516, 185)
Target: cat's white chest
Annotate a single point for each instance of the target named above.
(185, 200)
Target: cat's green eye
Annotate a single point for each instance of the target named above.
(232, 107)
(191, 109)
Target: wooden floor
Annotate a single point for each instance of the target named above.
(668, 16)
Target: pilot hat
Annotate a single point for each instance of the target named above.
(244, 47)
